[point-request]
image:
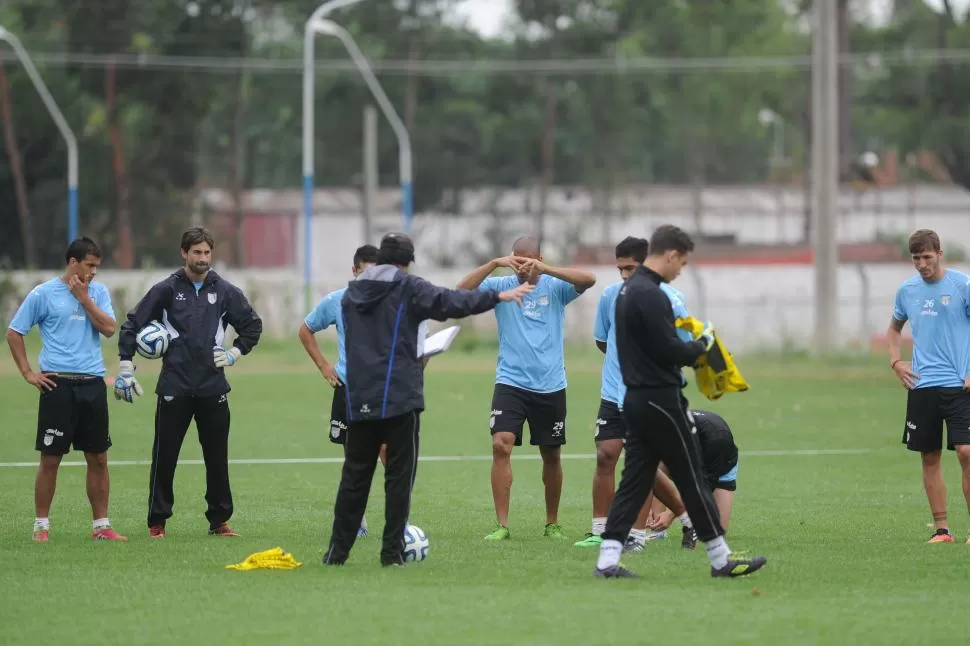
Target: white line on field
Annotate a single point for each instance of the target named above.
(435, 458)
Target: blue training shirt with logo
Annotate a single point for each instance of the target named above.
(939, 314)
(531, 336)
(70, 342)
(604, 330)
(325, 314)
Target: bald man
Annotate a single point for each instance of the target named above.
(530, 380)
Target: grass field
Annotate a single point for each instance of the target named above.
(826, 491)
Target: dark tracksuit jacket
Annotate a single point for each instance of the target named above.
(655, 410)
(190, 386)
(382, 310)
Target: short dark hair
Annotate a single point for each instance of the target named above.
(632, 247)
(197, 235)
(366, 253)
(82, 248)
(396, 249)
(668, 237)
(924, 240)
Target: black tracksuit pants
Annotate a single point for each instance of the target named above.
(659, 430)
(362, 450)
(172, 418)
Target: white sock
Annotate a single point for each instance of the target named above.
(42, 524)
(639, 535)
(101, 523)
(610, 551)
(718, 552)
(599, 526)
(685, 521)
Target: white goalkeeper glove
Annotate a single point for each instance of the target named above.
(126, 386)
(707, 336)
(224, 358)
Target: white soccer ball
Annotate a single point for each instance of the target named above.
(415, 544)
(152, 340)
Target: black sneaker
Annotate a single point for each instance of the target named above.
(689, 541)
(739, 567)
(614, 572)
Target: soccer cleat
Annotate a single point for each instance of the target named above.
(689, 540)
(633, 545)
(222, 530)
(41, 535)
(614, 572)
(499, 534)
(657, 536)
(739, 567)
(156, 531)
(591, 540)
(107, 534)
(362, 531)
(942, 536)
(554, 530)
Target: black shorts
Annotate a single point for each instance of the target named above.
(73, 414)
(338, 416)
(927, 409)
(609, 422)
(546, 413)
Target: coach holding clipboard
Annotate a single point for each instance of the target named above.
(383, 309)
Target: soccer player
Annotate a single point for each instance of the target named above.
(195, 304)
(610, 428)
(530, 382)
(72, 312)
(658, 427)
(383, 309)
(719, 454)
(937, 305)
(325, 314)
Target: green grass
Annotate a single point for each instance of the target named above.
(844, 533)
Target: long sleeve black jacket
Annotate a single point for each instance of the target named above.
(197, 322)
(382, 310)
(651, 354)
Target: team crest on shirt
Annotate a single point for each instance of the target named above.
(212, 298)
(945, 300)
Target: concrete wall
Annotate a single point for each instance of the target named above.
(754, 308)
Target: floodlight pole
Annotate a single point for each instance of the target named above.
(58, 117)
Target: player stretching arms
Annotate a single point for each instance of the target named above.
(937, 305)
(72, 313)
(325, 314)
(530, 381)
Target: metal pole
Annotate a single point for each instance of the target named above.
(370, 168)
(825, 169)
(403, 139)
(55, 112)
(309, 64)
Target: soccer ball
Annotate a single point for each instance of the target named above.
(415, 544)
(152, 340)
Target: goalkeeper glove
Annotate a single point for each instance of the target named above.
(125, 383)
(707, 336)
(224, 358)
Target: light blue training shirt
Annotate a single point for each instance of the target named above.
(70, 342)
(327, 313)
(939, 314)
(531, 336)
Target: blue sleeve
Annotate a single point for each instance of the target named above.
(324, 314)
(601, 329)
(492, 283)
(899, 306)
(565, 291)
(102, 299)
(29, 314)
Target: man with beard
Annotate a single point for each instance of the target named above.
(195, 304)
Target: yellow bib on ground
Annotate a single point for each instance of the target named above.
(272, 559)
(715, 371)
